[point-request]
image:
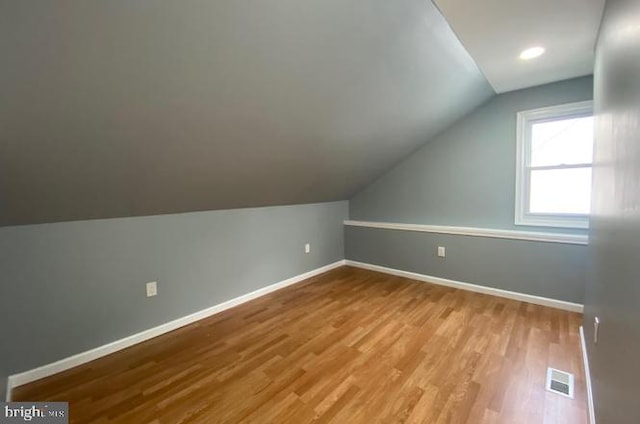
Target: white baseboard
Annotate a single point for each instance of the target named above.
(9, 388)
(84, 357)
(90, 355)
(587, 376)
(538, 300)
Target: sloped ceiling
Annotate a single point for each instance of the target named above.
(124, 108)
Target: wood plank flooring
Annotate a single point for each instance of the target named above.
(349, 346)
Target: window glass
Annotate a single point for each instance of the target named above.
(561, 191)
(562, 142)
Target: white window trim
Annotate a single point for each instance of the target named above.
(523, 160)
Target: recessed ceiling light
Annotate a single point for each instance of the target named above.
(531, 53)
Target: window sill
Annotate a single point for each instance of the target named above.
(555, 222)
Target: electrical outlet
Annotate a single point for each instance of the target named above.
(307, 248)
(152, 288)
(441, 251)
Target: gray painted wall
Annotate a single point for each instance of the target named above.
(613, 291)
(550, 270)
(466, 177)
(69, 287)
(134, 108)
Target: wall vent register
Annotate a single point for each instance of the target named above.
(560, 382)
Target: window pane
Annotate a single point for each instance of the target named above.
(561, 191)
(566, 141)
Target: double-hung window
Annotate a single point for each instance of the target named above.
(554, 162)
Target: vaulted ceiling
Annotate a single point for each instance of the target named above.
(124, 108)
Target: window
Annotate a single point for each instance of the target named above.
(554, 161)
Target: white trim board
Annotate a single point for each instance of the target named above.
(587, 376)
(537, 300)
(477, 232)
(98, 352)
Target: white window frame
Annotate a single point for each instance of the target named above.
(525, 120)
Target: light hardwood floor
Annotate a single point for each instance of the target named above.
(349, 346)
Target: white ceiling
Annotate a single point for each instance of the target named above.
(494, 32)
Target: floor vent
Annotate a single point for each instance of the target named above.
(560, 382)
